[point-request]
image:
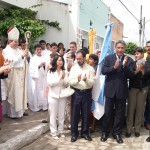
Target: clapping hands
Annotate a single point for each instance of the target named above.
(125, 61)
(80, 77)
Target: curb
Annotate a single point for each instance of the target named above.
(25, 138)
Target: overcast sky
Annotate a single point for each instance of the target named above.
(131, 26)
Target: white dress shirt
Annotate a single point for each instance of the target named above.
(85, 70)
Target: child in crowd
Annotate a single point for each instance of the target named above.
(137, 95)
(93, 61)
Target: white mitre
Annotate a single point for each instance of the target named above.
(13, 34)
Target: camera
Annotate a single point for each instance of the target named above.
(140, 62)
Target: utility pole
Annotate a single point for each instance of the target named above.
(139, 21)
(140, 26)
(143, 29)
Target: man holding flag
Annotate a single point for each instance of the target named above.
(117, 68)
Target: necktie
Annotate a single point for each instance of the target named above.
(120, 63)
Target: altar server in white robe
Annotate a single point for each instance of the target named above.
(45, 52)
(16, 82)
(37, 70)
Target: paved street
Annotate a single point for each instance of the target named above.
(48, 143)
(20, 132)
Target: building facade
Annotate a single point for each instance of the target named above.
(76, 17)
(117, 31)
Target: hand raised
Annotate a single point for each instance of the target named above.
(116, 64)
(79, 77)
(6, 69)
(69, 65)
(125, 61)
(42, 64)
(84, 78)
(6, 62)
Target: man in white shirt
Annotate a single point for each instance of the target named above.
(81, 78)
(72, 49)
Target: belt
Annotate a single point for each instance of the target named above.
(82, 91)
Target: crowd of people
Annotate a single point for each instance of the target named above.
(61, 81)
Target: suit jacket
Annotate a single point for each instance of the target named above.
(116, 79)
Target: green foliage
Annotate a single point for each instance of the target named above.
(23, 19)
(129, 48)
(54, 24)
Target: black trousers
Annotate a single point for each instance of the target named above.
(80, 105)
(114, 115)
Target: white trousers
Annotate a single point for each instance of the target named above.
(57, 109)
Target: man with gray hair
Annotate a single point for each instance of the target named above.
(117, 68)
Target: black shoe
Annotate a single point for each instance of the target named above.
(86, 137)
(44, 121)
(73, 138)
(128, 135)
(118, 139)
(104, 137)
(137, 134)
(25, 114)
(148, 139)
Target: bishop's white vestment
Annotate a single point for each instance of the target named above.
(16, 83)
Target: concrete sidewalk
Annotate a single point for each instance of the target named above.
(16, 133)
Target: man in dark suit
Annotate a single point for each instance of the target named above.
(117, 68)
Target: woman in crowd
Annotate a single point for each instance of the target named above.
(137, 95)
(57, 80)
(61, 51)
(60, 45)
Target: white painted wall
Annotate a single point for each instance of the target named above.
(66, 15)
(21, 3)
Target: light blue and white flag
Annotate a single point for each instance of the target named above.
(98, 88)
